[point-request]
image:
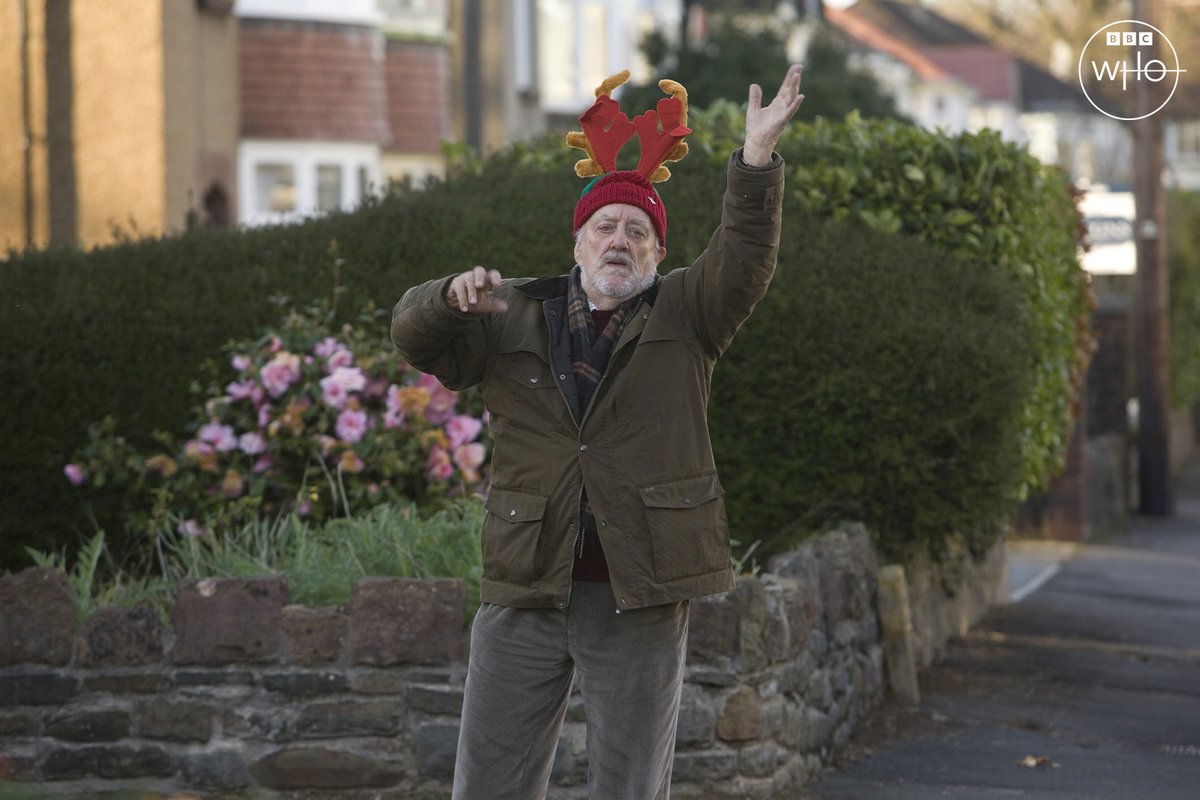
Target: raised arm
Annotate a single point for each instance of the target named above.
(764, 126)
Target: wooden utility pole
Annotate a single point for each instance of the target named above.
(1155, 491)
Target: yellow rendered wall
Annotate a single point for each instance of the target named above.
(201, 104)
(118, 120)
(13, 199)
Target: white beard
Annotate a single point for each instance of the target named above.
(619, 285)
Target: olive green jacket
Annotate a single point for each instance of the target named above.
(641, 448)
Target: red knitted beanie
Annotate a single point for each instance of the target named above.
(625, 186)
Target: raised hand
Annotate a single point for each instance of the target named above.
(764, 126)
(468, 292)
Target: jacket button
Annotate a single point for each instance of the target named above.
(533, 380)
(583, 448)
(624, 602)
(562, 376)
(603, 523)
(687, 500)
(512, 513)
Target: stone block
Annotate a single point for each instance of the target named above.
(847, 575)
(248, 722)
(38, 623)
(314, 634)
(708, 676)
(107, 725)
(704, 765)
(741, 718)
(216, 769)
(120, 637)
(127, 683)
(305, 683)
(37, 689)
(437, 745)
(750, 599)
(697, 718)
(17, 725)
(379, 681)
(438, 700)
(349, 718)
(113, 762)
(324, 768)
(406, 621)
(179, 721)
(224, 677)
(713, 629)
(230, 620)
(760, 760)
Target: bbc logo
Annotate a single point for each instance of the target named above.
(1129, 38)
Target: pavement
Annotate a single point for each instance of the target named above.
(1086, 687)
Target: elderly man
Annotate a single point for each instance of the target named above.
(604, 514)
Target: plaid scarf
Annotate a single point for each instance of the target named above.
(590, 350)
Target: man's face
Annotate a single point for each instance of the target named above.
(618, 254)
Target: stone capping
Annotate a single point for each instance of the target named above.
(246, 692)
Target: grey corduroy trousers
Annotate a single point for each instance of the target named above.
(522, 663)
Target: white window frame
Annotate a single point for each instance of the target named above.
(346, 12)
(304, 157)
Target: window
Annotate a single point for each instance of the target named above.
(285, 181)
(329, 187)
(274, 188)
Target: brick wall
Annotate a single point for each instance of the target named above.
(312, 80)
(418, 89)
(243, 692)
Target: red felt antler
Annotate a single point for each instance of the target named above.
(606, 129)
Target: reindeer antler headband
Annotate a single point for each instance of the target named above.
(606, 129)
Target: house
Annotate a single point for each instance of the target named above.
(946, 76)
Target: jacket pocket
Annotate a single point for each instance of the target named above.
(511, 530)
(688, 528)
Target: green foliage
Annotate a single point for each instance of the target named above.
(322, 562)
(121, 331)
(92, 590)
(983, 200)
(1183, 256)
(734, 56)
(880, 380)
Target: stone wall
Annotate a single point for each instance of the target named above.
(244, 695)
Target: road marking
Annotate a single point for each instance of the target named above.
(1034, 583)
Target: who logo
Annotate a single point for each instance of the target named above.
(1120, 55)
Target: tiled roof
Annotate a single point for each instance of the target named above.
(989, 70)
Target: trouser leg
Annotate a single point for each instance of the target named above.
(518, 683)
(631, 669)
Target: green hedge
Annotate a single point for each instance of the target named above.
(122, 330)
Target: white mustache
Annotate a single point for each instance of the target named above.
(617, 257)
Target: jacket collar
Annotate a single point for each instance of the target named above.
(550, 288)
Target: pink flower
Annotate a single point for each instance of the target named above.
(441, 400)
(263, 464)
(351, 425)
(240, 363)
(264, 415)
(341, 359)
(393, 418)
(336, 387)
(252, 443)
(74, 474)
(281, 372)
(221, 437)
(240, 390)
(351, 463)
(438, 466)
(326, 347)
(469, 458)
(304, 508)
(275, 345)
(462, 429)
(190, 527)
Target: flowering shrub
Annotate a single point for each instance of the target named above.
(307, 419)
